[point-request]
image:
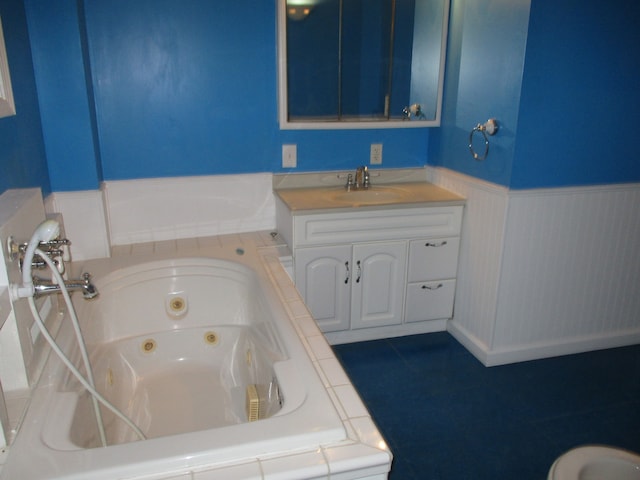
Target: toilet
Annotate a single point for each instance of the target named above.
(596, 462)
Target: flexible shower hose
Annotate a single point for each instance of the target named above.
(88, 383)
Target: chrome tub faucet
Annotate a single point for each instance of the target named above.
(45, 287)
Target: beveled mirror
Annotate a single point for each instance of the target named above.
(361, 63)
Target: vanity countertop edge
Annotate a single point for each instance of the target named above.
(311, 200)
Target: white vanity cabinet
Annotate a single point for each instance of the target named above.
(431, 279)
(352, 286)
(374, 273)
(323, 277)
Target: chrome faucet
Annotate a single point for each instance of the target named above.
(46, 287)
(362, 178)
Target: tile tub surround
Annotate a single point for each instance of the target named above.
(363, 454)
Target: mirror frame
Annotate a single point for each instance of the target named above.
(286, 124)
(7, 106)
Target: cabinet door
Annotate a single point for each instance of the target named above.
(323, 278)
(378, 284)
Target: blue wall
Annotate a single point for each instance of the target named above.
(580, 104)
(485, 57)
(561, 78)
(67, 118)
(22, 155)
(180, 88)
(189, 88)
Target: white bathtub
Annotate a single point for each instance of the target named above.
(174, 344)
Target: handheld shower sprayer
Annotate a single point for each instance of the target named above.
(46, 231)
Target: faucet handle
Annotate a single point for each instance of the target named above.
(349, 184)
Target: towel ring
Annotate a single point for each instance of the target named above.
(489, 127)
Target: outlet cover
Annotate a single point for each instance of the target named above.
(375, 157)
(289, 156)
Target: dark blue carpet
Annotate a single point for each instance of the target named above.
(446, 416)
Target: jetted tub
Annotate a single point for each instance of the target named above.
(200, 354)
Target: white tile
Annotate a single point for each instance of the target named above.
(350, 401)
(208, 242)
(142, 248)
(289, 292)
(341, 412)
(165, 247)
(183, 476)
(232, 239)
(323, 377)
(308, 326)
(350, 462)
(311, 465)
(320, 347)
(368, 433)
(308, 348)
(186, 244)
(334, 371)
(298, 308)
(245, 471)
(120, 250)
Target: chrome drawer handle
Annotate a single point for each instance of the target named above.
(441, 244)
(435, 287)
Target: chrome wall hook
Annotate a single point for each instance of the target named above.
(490, 127)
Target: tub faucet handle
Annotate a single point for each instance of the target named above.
(89, 290)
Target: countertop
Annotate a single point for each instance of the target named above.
(332, 198)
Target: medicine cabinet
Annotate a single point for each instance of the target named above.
(361, 63)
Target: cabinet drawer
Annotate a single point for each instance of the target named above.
(433, 259)
(429, 300)
(376, 225)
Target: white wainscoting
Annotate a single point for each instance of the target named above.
(546, 272)
(481, 247)
(149, 210)
(84, 217)
(541, 272)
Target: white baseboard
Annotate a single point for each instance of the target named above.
(522, 353)
(468, 340)
(390, 331)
